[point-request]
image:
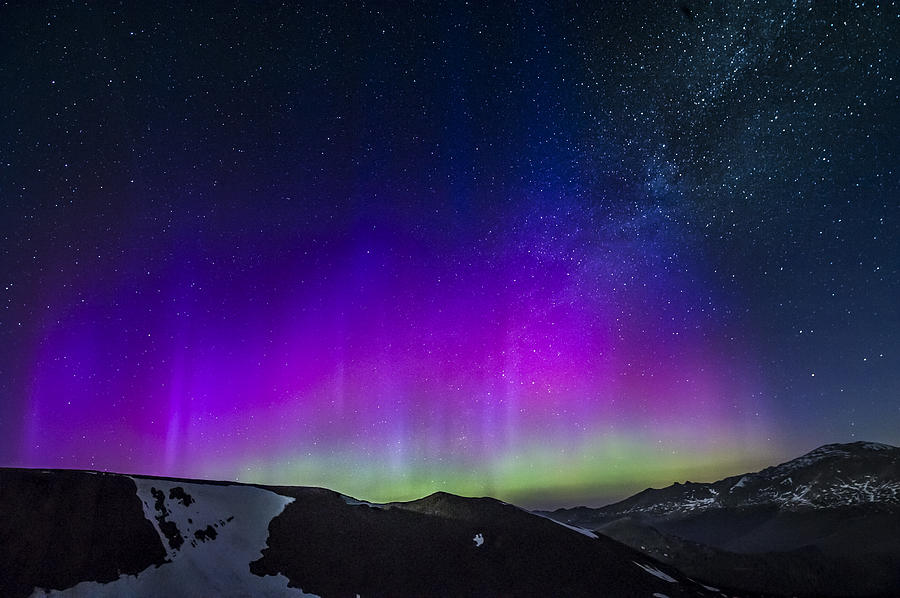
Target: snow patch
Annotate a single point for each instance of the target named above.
(580, 530)
(659, 595)
(478, 539)
(839, 492)
(710, 588)
(222, 529)
(876, 446)
(656, 572)
(740, 483)
(360, 503)
(698, 503)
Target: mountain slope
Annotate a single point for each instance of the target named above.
(70, 533)
(445, 545)
(829, 521)
(833, 475)
(43, 544)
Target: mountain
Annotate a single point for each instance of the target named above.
(824, 524)
(81, 533)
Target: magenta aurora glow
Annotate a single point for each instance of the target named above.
(533, 253)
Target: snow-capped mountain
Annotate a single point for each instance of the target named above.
(91, 534)
(831, 476)
(826, 523)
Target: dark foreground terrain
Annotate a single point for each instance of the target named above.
(824, 525)
(95, 534)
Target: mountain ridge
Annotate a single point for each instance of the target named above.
(689, 495)
(826, 523)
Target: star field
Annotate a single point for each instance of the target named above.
(549, 252)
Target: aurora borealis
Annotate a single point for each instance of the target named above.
(549, 253)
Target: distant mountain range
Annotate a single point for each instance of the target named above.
(824, 524)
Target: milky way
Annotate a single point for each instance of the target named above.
(553, 254)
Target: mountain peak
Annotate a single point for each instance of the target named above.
(841, 451)
(857, 446)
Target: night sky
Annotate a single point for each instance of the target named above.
(549, 252)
